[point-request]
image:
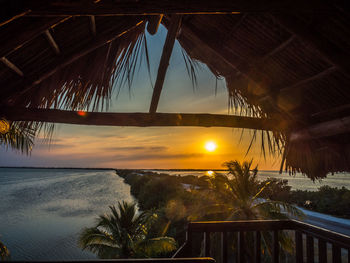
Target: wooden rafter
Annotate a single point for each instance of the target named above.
(321, 130)
(67, 58)
(328, 50)
(137, 119)
(12, 66)
(93, 25)
(279, 48)
(52, 42)
(211, 45)
(151, 7)
(320, 75)
(14, 17)
(164, 61)
(24, 36)
(153, 24)
(331, 111)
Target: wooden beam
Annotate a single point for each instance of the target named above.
(12, 66)
(30, 32)
(320, 75)
(93, 25)
(52, 42)
(211, 44)
(153, 24)
(328, 50)
(67, 58)
(10, 18)
(164, 61)
(151, 7)
(331, 111)
(279, 48)
(321, 130)
(137, 119)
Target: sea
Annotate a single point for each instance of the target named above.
(42, 211)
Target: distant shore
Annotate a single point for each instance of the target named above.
(131, 169)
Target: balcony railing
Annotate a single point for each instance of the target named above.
(312, 243)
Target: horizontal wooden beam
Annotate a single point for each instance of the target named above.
(137, 119)
(321, 130)
(152, 7)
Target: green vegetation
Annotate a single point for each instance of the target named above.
(125, 234)
(236, 195)
(233, 196)
(333, 201)
(4, 252)
(17, 135)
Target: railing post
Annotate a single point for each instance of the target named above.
(276, 247)
(298, 247)
(336, 253)
(224, 247)
(309, 249)
(189, 241)
(241, 250)
(257, 247)
(207, 244)
(322, 251)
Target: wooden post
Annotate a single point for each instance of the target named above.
(257, 247)
(298, 246)
(310, 249)
(276, 247)
(322, 251)
(224, 247)
(207, 244)
(164, 61)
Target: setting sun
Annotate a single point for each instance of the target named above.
(210, 146)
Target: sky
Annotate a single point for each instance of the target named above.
(150, 147)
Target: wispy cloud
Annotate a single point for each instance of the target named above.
(156, 156)
(135, 148)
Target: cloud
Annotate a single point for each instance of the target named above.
(136, 148)
(156, 156)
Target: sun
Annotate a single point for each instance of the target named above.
(210, 146)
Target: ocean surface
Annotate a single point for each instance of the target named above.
(42, 211)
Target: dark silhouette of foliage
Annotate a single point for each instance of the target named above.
(125, 234)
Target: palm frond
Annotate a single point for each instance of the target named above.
(156, 246)
(4, 252)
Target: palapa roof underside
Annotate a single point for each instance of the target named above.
(286, 66)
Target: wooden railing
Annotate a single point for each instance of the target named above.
(133, 260)
(305, 237)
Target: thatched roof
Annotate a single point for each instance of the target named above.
(286, 65)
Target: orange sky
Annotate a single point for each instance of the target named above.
(166, 147)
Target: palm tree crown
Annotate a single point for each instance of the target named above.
(238, 196)
(124, 234)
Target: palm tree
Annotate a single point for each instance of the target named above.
(238, 196)
(4, 252)
(17, 135)
(125, 234)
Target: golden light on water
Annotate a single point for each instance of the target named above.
(210, 146)
(210, 173)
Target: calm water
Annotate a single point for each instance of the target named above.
(297, 181)
(43, 210)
